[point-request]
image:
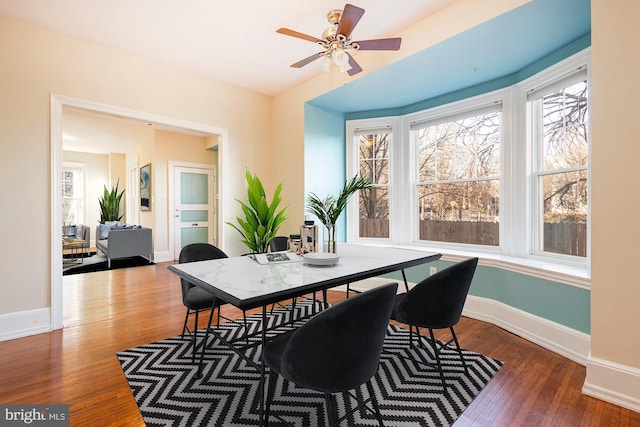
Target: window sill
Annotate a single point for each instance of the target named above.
(542, 269)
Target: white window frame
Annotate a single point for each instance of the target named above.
(79, 171)
(517, 207)
(353, 167)
(550, 77)
(448, 112)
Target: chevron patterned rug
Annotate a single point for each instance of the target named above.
(164, 384)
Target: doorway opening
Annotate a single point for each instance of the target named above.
(58, 106)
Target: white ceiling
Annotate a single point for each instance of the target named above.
(233, 41)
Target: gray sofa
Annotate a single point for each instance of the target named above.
(125, 243)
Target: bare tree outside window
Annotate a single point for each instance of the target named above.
(374, 167)
(563, 175)
(459, 180)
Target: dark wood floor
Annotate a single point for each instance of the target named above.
(106, 312)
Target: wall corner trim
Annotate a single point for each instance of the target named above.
(613, 382)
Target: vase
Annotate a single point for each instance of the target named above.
(329, 239)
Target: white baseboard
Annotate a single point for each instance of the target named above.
(24, 323)
(560, 339)
(567, 342)
(164, 256)
(613, 382)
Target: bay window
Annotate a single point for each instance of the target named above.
(505, 172)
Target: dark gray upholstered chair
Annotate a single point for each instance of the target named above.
(336, 351)
(193, 297)
(279, 243)
(436, 303)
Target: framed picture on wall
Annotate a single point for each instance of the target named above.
(145, 187)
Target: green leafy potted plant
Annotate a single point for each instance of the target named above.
(261, 221)
(329, 209)
(110, 204)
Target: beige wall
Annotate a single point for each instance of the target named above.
(615, 283)
(45, 62)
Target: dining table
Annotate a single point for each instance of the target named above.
(245, 283)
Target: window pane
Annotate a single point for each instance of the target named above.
(67, 183)
(562, 210)
(374, 212)
(374, 166)
(564, 120)
(374, 157)
(194, 188)
(466, 212)
(565, 213)
(460, 149)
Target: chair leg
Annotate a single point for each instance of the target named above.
(273, 377)
(455, 339)
(411, 336)
(437, 356)
(184, 326)
(332, 414)
(374, 402)
(194, 338)
(293, 310)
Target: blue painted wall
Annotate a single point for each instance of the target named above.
(325, 173)
(563, 304)
(324, 157)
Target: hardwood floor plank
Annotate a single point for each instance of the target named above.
(106, 312)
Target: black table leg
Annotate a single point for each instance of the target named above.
(262, 368)
(406, 285)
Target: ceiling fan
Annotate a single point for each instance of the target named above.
(336, 41)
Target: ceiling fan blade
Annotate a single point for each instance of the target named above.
(307, 60)
(355, 67)
(350, 17)
(380, 44)
(292, 33)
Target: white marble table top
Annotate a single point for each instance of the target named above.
(244, 283)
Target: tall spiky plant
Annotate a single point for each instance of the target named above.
(329, 209)
(261, 221)
(110, 204)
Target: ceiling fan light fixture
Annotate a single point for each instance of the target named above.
(330, 33)
(345, 67)
(341, 58)
(325, 62)
(336, 41)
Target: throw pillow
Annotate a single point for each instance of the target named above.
(71, 231)
(104, 231)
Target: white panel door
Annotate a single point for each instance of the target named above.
(194, 216)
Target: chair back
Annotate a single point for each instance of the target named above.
(279, 243)
(339, 349)
(437, 301)
(197, 252)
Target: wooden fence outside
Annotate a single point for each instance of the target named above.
(564, 238)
